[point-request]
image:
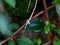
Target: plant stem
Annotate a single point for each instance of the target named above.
(29, 5)
(51, 37)
(8, 38)
(46, 12)
(45, 7)
(32, 13)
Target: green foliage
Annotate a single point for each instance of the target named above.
(57, 30)
(14, 26)
(46, 29)
(38, 41)
(47, 26)
(47, 23)
(24, 41)
(35, 25)
(56, 1)
(11, 2)
(21, 8)
(56, 41)
(4, 25)
(53, 26)
(34, 41)
(11, 42)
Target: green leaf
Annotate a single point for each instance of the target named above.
(56, 1)
(53, 26)
(39, 41)
(4, 25)
(11, 3)
(21, 8)
(11, 42)
(47, 26)
(56, 41)
(14, 26)
(47, 23)
(57, 30)
(46, 29)
(24, 41)
(34, 41)
(35, 25)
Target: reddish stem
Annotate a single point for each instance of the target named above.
(45, 7)
(41, 12)
(51, 37)
(23, 26)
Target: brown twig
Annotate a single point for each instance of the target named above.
(43, 11)
(12, 35)
(45, 8)
(23, 26)
(46, 12)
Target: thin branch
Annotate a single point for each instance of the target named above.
(29, 5)
(33, 10)
(23, 26)
(45, 7)
(43, 11)
(46, 12)
(32, 13)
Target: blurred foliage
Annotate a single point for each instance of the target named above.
(51, 12)
(53, 26)
(35, 25)
(55, 1)
(11, 2)
(38, 41)
(48, 23)
(11, 42)
(56, 41)
(4, 24)
(47, 26)
(21, 8)
(14, 26)
(24, 41)
(57, 30)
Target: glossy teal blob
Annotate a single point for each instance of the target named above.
(35, 25)
(4, 25)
